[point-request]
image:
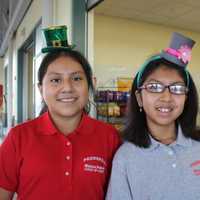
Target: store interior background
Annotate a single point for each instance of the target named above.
(128, 32)
(121, 35)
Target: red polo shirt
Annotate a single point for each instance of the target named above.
(38, 162)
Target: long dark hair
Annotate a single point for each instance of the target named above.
(75, 55)
(136, 130)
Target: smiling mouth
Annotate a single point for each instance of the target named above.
(67, 100)
(164, 110)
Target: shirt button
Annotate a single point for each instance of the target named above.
(174, 165)
(67, 157)
(66, 173)
(170, 153)
(68, 144)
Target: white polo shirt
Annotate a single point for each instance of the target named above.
(161, 172)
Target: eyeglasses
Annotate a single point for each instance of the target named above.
(174, 88)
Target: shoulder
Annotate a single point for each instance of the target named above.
(107, 130)
(195, 145)
(126, 149)
(101, 126)
(30, 124)
(127, 152)
(105, 133)
(29, 127)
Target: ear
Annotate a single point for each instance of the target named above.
(94, 81)
(138, 98)
(40, 89)
(186, 96)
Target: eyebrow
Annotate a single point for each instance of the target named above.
(157, 81)
(153, 80)
(72, 73)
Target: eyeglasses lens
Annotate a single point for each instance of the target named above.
(158, 88)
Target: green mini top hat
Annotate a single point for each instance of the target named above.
(56, 39)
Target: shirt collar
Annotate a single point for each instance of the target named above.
(154, 144)
(86, 125)
(46, 126)
(181, 141)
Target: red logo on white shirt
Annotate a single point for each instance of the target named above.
(196, 167)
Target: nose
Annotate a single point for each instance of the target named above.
(166, 95)
(67, 85)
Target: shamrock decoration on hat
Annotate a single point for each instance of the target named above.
(56, 39)
(179, 51)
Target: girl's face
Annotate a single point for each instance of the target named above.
(64, 88)
(162, 109)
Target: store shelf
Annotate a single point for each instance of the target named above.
(111, 105)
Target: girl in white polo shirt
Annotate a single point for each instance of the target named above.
(160, 158)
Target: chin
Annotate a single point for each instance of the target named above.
(70, 114)
(166, 123)
(66, 111)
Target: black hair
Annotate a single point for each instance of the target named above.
(136, 130)
(76, 56)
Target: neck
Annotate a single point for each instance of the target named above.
(66, 125)
(163, 134)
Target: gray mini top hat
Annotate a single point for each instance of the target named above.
(179, 51)
(56, 39)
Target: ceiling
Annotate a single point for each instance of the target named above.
(176, 13)
(7, 8)
(4, 16)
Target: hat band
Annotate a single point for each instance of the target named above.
(142, 69)
(183, 53)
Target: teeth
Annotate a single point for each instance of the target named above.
(164, 110)
(67, 100)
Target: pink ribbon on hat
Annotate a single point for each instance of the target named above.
(183, 53)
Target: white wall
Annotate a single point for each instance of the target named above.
(122, 45)
(29, 22)
(1, 71)
(63, 15)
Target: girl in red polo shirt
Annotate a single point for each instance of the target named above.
(62, 154)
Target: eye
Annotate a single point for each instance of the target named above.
(178, 89)
(77, 78)
(154, 87)
(55, 80)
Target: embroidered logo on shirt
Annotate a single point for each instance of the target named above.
(95, 164)
(196, 167)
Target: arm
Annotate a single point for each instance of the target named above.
(8, 168)
(119, 187)
(5, 194)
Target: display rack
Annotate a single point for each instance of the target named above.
(111, 105)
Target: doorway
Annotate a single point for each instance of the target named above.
(28, 111)
(26, 81)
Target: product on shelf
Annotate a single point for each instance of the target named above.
(124, 84)
(111, 105)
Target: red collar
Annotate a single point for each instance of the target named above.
(46, 126)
